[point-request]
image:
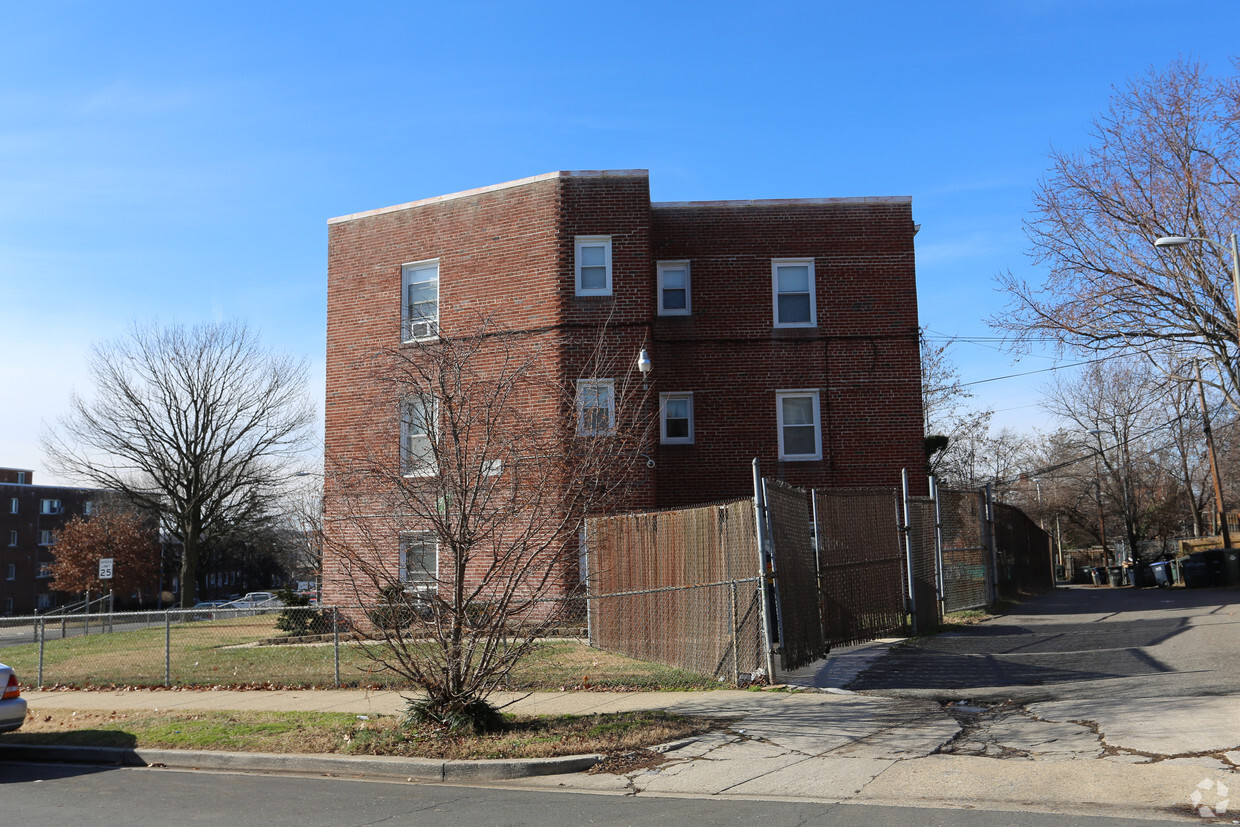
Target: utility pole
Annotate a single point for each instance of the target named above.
(1218, 483)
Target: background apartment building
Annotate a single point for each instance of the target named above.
(30, 515)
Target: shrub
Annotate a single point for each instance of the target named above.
(298, 618)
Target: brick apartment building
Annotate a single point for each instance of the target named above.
(29, 516)
(784, 330)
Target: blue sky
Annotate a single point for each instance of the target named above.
(179, 161)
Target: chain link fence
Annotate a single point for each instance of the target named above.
(679, 587)
(318, 647)
(674, 599)
(861, 564)
(965, 550)
(796, 574)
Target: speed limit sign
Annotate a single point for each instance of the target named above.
(105, 568)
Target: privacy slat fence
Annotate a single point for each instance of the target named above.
(965, 550)
(679, 587)
(799, 619)
(684, 587)
(861, 564)
(922, 538)
(1022, 552)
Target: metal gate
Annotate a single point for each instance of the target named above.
(966, 550)
(861, 565)
(796, 576)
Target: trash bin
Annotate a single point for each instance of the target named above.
(1143, 576)
(1060, 574)
(1162, 578)
(1096, 575)
(1116, 575)
(1231, 567)
(1203, 568)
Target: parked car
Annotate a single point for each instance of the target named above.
(256, 600)
(12, 704)
(202, 609)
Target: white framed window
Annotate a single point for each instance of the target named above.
(800, 434)
(49, 506)
(419, 561)
(593, 265)
(419, 290)
(792, 290)
(676, 418)
(417, 436)
(13, 538)
(674, 288)
(45, 571)
(45, 537)
(88, 508)
(13, 505)
(11, 572)
(8, 605)
(596, 406)
(21, 477)
(44, 601)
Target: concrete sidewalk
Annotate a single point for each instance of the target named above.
(1142, 759)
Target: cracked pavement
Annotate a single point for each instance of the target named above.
(1108, 702)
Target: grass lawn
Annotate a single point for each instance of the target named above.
(324, 732)
(225, 653)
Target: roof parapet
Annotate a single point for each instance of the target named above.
(520, 182)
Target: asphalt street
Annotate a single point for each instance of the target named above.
(1076, 642)
(57, 795)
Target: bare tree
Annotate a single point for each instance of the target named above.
(200, 425)
(1164, 160)
(1133, 421)
(303, 524)
(951, 426)
(499, 463)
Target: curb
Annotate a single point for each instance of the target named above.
(375, 766)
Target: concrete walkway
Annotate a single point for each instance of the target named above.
(1144, 759)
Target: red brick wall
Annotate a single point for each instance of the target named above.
(509, 252)
(862, 356)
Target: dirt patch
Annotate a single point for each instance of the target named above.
(638, 759)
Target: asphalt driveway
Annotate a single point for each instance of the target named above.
(1075, 642)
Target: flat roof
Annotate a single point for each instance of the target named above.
(546, 176)
(631, 173)
(787, 202)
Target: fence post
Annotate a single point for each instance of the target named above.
(905, 532)
(759, 504)
(42, 635)
(736, 654)
(988, 529)
(822, 607)
(938, 546)
(63, 620)
(336, 642)
(167, 647)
